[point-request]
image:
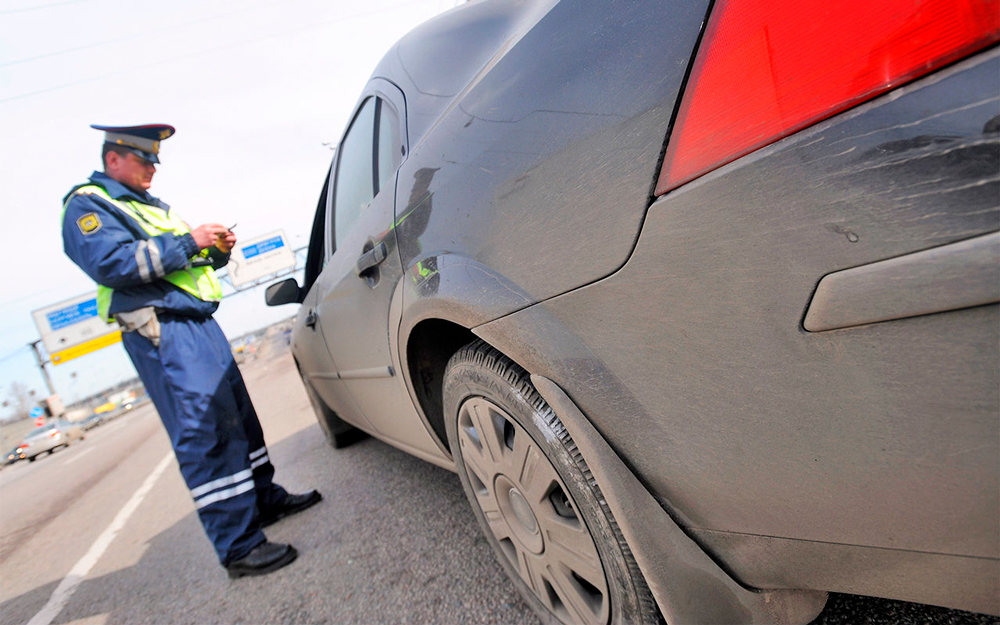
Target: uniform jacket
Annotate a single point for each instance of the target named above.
(107, 253)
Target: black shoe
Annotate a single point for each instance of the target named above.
(264, 558)
(291, 505)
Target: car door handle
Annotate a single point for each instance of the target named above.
(371, 259)
(311, 319)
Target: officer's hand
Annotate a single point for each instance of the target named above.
(226, 241)
(206, 235)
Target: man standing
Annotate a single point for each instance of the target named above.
(156, 278)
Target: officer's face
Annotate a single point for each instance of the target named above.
(130, 170)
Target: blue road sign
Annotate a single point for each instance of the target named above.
(262, 247)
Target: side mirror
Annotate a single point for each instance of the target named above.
(284, 292)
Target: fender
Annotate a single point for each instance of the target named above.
(676, 569)
(455, 294)
(457, 289)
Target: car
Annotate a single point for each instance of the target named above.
(49, 437)
(91, 421)
(15, 455)
(698, 299)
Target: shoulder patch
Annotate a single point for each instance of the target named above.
(89, 223)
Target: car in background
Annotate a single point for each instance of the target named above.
(15, 454)
(699, 299)
(91, 421)
(49, 437)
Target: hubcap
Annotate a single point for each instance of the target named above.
(522, 511)
(517, 515)
(530, 513)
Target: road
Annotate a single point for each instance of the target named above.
(393, 541)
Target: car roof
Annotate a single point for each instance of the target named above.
(423, 63)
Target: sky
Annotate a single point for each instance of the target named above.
(257, 89)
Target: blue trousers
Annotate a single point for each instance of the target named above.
(203, 403)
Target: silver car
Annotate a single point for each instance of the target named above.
(49, 437)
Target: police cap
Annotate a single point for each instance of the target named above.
(143, 141)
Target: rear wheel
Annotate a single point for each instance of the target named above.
(535, 498)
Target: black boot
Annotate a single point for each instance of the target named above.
(264, 558)
(291, 505)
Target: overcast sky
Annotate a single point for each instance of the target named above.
(254, 88)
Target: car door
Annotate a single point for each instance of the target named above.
(311, 354)
(355, 289)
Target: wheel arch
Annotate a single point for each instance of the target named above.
(438, 303)
(430, 345)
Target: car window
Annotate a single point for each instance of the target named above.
(355, 183)
(315, 257)
(40, 431)
(389, 145)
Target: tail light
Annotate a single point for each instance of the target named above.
(768, 68)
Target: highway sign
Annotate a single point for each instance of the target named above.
(72, 323)
(80, 349)
(260, 257)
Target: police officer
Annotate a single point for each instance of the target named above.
(156, 278)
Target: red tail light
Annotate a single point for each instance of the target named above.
(767, 68)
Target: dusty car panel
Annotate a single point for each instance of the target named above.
(884, 435)
(518, 162)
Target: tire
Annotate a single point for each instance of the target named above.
(532, 493)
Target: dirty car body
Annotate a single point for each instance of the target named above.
(781, 364)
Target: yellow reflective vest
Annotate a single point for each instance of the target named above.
(200, 282)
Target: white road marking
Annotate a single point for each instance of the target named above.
(76, 457)
(69, 584)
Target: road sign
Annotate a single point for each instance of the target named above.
(55, 404)
(72, 322)
(92, 345)
(260, 257)
(36, 412)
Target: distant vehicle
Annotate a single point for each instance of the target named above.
(49, 437)
(123, 409)
(91, 422)
(15, 455)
